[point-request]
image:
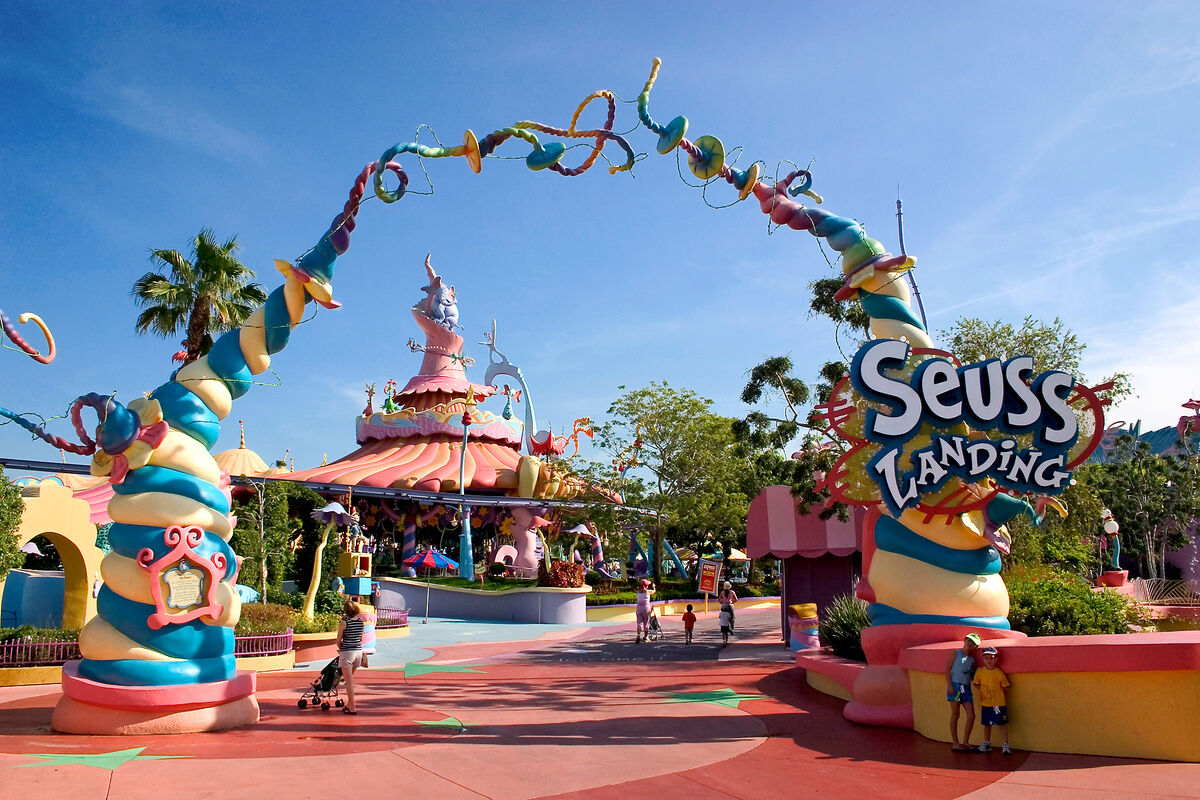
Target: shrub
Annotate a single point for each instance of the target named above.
(293, 600)
(260, 619)
(322, 622)
(765, 590)
(1047, 602)
(562, 575)
(328, 601)
(842, 625)
(30, 632)
(497, 568)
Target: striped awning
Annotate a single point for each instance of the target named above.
(425, 465)
(97, 498)
(774, 527)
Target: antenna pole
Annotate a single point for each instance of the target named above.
(912, 281)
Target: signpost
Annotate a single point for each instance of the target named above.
(710, 577)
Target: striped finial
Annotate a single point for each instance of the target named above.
(242, 432)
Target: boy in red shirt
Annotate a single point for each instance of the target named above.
(689, 622)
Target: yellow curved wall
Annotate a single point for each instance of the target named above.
(1136, 714)
(56, 514)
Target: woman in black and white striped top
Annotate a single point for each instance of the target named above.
(350, 654)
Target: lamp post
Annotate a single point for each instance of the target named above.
(466, 558)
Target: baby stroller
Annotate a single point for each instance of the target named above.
(323, 689)
(655, 631)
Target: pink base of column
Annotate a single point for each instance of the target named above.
(72, 716)
(94, 708)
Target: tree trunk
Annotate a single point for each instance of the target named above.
(197, 324)
(310, 597)
(262, 578)
(658, 554)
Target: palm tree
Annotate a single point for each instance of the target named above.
(208, 295)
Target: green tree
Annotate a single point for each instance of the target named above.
(263, 536)
(1154, 498)
(11, 509)
(784, 419)
(1053, 346)
(205, 296)
(689, 456)
(302, 501)
(1066, 545)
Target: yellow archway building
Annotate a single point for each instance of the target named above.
(52, 511)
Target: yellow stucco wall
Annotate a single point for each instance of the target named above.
(827, 685)
(1138, 714)
(57, 515)
(30, 676)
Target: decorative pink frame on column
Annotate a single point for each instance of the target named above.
(182, 541)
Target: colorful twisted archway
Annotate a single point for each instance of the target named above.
(159, 656)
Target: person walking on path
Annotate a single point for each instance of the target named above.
(645, 592)
(726, 619)
(960, 669)
(689, 622)
(728, 597)
(350, 653)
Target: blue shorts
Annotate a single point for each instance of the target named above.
(960, 694)
(995, 715)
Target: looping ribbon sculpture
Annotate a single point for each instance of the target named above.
(11, 332)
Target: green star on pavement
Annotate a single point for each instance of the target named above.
(108, 761)
(413, 670)
(720, 697)
(448, 722)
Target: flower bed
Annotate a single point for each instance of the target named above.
(391, 618)
(264, 645)
(37, 652)
(49, 652)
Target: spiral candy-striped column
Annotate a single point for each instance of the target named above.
(158, 657)
(928, 578)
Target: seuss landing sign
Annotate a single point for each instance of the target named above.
(916, 420)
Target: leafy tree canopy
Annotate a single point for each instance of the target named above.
(1053, 346)
(692, 468)
(1155, 499)
(11, 509)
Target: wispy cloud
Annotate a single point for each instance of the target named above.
(157, 113)
(153, 110)
(1160, 355)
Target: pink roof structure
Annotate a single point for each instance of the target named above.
(775, 527)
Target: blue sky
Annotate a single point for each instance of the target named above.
(1046, 154)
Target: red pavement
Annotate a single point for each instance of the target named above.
(536, 727)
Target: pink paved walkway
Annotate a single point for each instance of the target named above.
(536, 724)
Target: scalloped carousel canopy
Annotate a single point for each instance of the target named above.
(241, 462)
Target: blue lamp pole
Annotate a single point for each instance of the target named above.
(466, 557)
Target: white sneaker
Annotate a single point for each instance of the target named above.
(1006, 751)
(986, 747)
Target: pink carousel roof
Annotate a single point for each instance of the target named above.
(421, 464)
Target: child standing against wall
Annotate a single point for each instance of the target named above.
(992, 682)
(689, 622)
(960, 669)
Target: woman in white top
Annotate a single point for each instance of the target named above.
(645, 592)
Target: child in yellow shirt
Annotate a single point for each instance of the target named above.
(992, 682)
